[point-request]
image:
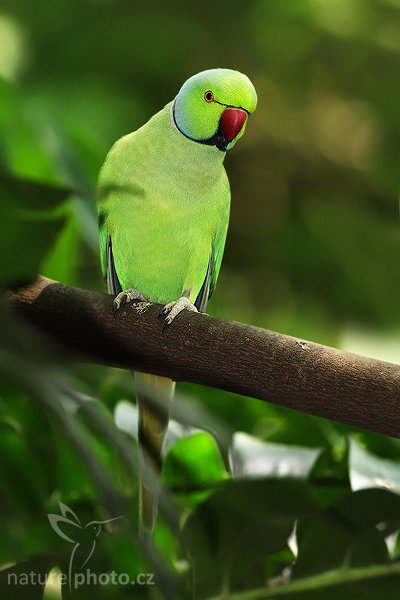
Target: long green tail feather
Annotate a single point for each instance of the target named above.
(154, 396)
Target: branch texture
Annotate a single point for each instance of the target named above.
(231, 356)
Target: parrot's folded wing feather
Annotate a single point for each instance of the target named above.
(113, 284)
(204, 294)
(217, 253)
(107, 258)
(214, 266)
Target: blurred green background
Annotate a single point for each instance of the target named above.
(312, 251)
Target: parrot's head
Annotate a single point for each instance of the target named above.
(213, 106)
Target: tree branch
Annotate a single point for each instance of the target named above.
(231, 356)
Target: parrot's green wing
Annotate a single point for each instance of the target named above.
(113, 284)
(107, 258)
(219, 246)
(214, 265)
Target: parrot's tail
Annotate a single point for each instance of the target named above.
(154, 396)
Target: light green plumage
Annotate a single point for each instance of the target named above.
(163, 207)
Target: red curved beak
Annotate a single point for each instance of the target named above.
(231, 122)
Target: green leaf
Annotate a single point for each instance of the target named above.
(230, 535)
(250, 457)
(350, 532)
(31, 215)
(54, 264)
(193, 464)
(367, 470)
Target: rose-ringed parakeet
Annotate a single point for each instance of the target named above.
(163, 208)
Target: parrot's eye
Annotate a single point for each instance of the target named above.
(209, 96)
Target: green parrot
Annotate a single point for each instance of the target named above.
(163, 210)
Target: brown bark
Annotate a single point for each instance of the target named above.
(231, 356)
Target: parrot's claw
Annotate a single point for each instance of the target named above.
(125, 297)
(163, 311)
(172, 309)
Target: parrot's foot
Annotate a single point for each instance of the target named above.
(125, 297)
(172, 309)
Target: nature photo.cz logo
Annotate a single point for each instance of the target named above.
(72, 530)
(69, 527)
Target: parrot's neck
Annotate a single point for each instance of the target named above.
(183, 155)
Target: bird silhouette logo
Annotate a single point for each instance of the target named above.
(69, 527)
